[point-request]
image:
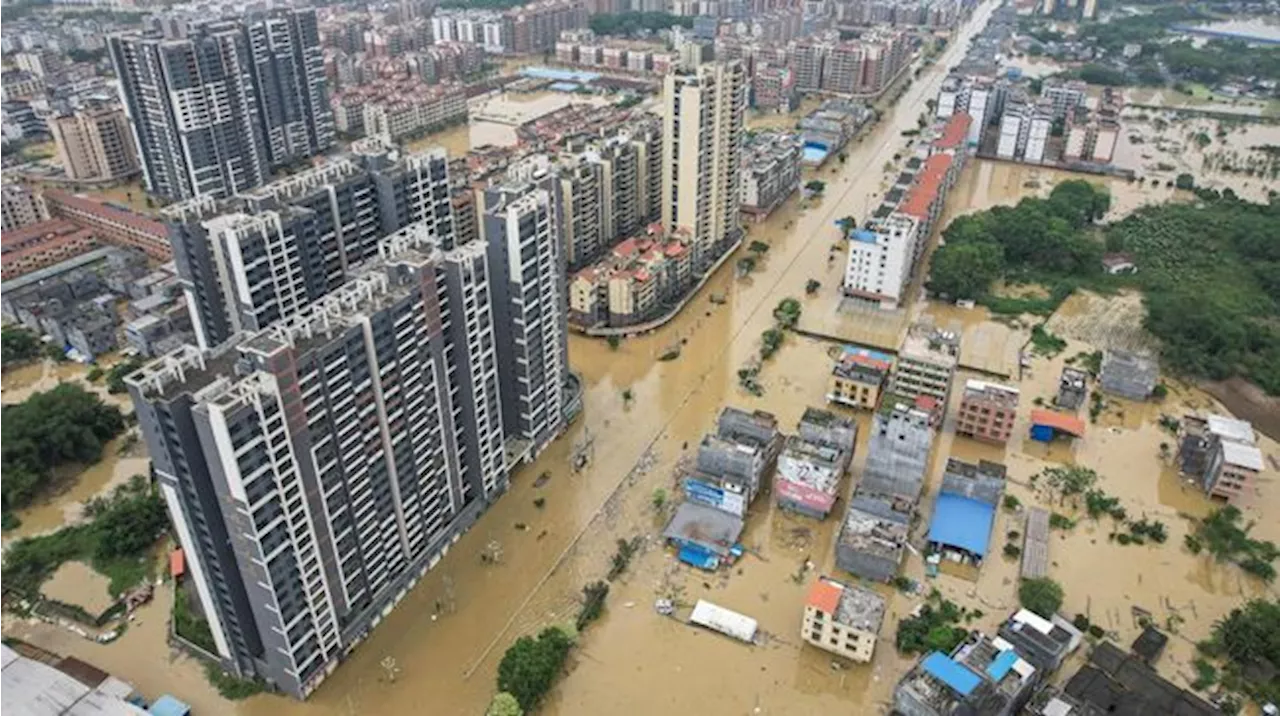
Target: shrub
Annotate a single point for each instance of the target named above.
(1042, 596)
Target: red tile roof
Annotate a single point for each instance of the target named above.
(1058, 421)
(824, 596)
(177, 563)
(955, 133)
(927, 185)
(50, 227)
(97, 208)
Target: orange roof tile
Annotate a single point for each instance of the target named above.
(1058, 421)
(955, 132)
(177, 563)
(627, 248)
(824, 596)
(926, 187)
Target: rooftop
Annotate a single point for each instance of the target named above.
(851, 605)
(955, 132)
(962, 522)
(1247, 456)
(1117, 682)
(927, 187)
(1005, 395)
(706, 526)
(872, 527)
(1061, 422)
(1232, 429)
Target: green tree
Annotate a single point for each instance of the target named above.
(504, 704)
(1042, 596)
(815, 186)
(1185, 181)
(17, 344)
(1070, 480)
(965, 271)
(529, 668)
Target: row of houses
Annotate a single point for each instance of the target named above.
(884, 253)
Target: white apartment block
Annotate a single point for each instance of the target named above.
(880, 262)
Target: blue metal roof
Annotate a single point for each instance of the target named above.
(866, 237)
(548, 73)
(950, 673)
(1001, 664)
(962, 522)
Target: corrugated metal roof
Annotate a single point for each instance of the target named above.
(1058, 421)
(962, 522)
(950, 673)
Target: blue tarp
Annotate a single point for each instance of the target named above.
(866, 237)
(950, 673)
(168, 706)
(698, 557)
(1001, 664)
(813, 154)
(962, 522)
(1042, 433)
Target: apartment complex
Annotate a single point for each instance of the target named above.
(770, 172)
(95, 143)
(639, 278)
(398, 112)
(522, 225)
(702, 154)
(215, 111)
(843, 619)
(987, 411)
(316, 469)
(19, 206)
(356, 399)
(521, 30)
(863, 67)
(247, 262)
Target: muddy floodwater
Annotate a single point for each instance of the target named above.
(447, 636)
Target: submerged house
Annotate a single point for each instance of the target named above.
(965, 510)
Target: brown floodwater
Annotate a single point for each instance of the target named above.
(634, 661)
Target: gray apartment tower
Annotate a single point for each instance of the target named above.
(215, 111)
(317, 468)
(233, 256)
(523, 230)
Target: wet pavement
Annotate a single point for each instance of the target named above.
(448, 635)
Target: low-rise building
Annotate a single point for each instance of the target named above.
(1128, 374)
(773, 89)
(1046, 643)
(926, 363)
(37, 246)
(858, 377)
(843, 619)
(1073, 386)
(21, 206)
(983, 676)
(770, 172)
(987, 411)
(407, 112)
(813, 462)
(1114, 682)
(964, 512)
(112, 225)
(872, 538)
(739, 455)
(898, 455)
(1221, 454)
(826, 130)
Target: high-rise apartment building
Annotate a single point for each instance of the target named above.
(316, 469)
(248, 261)
(523, 230)
(95, 143)
(215, 111)
(702, 155)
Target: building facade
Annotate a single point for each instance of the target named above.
(315, 470)
(95, 143)
(843, 619)
(21, 206)
(987, 411)
(702, 154)
(214, 112)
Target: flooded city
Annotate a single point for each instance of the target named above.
(438, 651)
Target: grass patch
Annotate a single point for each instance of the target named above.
(1045, 343)
(232, 688)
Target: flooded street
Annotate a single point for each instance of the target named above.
(634, 661)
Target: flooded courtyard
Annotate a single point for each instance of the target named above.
(448, 634)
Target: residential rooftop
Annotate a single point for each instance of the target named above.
(851, 605)
(1004, 395)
